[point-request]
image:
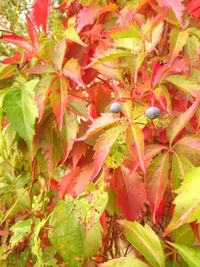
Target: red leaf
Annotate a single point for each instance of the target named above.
(156, 179)
(158, 70)
(103, 146)
(79, 151)
(193, 8)
(11, 60)
(87, 16)
(176, 6)
(83, 179)
(32, 33)
(135, 139)
(59, 99)
(17, 40)
(98, 124)
(40, 13)
(131, 195)
(68, 182)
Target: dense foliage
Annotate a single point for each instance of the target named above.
(100, 133)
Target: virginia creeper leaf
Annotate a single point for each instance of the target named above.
(66, 233)
(32, 33)
(39, 14)
(59, 99)
(176, 6)
(129, 189)
(135, 138)
(124, 261)
(188, 85)
(187, 201)
(103, 146)
(59, 54)
(21, 110)
(144, 239)
(156, 178)
(98, 124)
(17, 40)
(178, 123)
(190, 255)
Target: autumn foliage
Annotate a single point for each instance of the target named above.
(86, 184)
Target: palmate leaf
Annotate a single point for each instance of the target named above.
(144, 239)
(190, 255)
(156, 178)
(187, 202)
(21, 110)
(104, 145)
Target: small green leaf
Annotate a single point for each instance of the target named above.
(20, 230)
(144, 239)
(190, 255)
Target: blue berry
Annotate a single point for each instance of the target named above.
(152, 112)
(115, 107)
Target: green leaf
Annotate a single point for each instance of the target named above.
(71, 33)
(21, 110)
(93, 240)
(183, 235)
(20, 231)
(66, 234)
(177, 41)
(178, 123)
(36, 241)
(186, 84)
(180, 166)
(190, 255)
(144, 239)
(187, 201)
(125, 262)
(192, 48)
(194, 32)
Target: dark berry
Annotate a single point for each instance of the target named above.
(115, 107)
(152, 113)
